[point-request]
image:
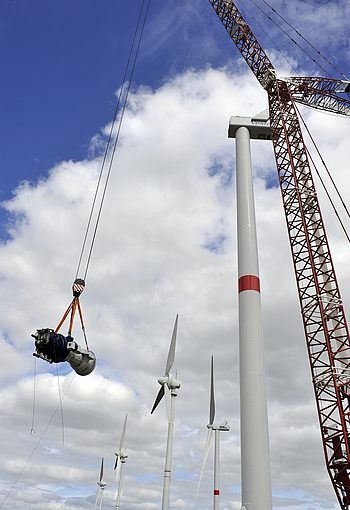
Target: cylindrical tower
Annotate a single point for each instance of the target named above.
(255, 457)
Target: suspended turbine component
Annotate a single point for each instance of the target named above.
(169, 387)
(55, 348)
(217, 429)
(121, 455)
(101, 487)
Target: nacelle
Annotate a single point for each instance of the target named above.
(56, 348)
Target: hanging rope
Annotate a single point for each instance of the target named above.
(122, 98)
(322, 181)
(79, 283)
(329, 62)
(60, 403)
(289, 36)
(109, 141)
(11, 489)
(32, 429)
(266, 34)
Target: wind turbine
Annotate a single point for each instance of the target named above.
(217, 429)
(122, 455)
(169, 386)
(101, 487)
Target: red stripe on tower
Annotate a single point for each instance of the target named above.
(216, 492)
(248, 282)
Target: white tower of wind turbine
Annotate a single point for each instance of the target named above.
(101, 487)
(217, 429)
(169, 387)
(255, 452)
(121, 455)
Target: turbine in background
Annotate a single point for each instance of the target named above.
(217, 429)
(121, 455)
(101, 487)
(169, 386)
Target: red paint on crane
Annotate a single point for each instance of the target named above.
(216, 492)
(248, 282)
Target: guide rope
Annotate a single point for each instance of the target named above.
(60, 403)
(11, 489)
(266, 34)
(325, 58)
(32, 428)
(293, 40)
(330, 177)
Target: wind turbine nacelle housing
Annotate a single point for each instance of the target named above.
(170, 381)
(56, 348)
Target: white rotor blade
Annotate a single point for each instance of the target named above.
(123, 434)
(205, 458)
(117, 472)
(97, 497)
(101, 500)
(212, 396)
(167, 400)
(171, 353)
(120, 487)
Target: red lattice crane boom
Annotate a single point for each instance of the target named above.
(326, 330)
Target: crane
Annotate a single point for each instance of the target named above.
(325, 326)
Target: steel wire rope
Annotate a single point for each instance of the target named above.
(35, 446)
(242, 8)
(323, 162)
(120, 95)
(60, 403)
(322, 180)
(116, 139)
(289, 36)
(32, 429)
(326, 59)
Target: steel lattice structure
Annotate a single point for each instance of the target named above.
(326, 331)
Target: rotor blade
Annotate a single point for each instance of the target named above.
(101, 500)
(167, 400)
(97, 497)
(101, 471)
(158, 398)
(212, 397)
(123, 433)
(120, 485)
(205, 457)
(116, 461)
(171, 353)
(117, 472)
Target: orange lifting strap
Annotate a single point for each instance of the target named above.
(78, 287)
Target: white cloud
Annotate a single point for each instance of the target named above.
(170, 197)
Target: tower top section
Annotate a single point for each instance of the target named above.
(258, 126)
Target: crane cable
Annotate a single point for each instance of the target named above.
(290, 37)
(122, 97)
(79, 283)
(329, 175)
(326, 59)
(268, 37)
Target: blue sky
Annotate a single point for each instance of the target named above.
(62, 62)
(166, 245)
